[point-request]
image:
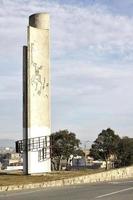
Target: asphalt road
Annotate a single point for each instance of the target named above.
(119, 190)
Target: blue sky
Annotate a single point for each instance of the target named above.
(91, 65)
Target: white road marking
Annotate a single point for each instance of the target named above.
(120, 182)
(112, 193)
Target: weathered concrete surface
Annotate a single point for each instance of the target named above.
(111, 175)
(37, 121)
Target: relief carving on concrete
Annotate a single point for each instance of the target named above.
(38, 80)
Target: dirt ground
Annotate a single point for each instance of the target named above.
(18, 178)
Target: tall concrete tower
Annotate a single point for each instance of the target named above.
(36, 97)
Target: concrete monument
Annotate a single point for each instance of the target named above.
(36, 97)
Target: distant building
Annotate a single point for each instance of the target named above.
(11, 160)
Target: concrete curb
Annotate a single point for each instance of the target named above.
(112, 175)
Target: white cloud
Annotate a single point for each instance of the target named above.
(10, 87)
(85, 44)
(72, 27)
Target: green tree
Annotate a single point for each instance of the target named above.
(79, 152)
(105, 145)
(64, 144)
(125, 152)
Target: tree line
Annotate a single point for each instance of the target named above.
(107, 146)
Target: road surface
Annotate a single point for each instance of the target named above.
(117, 190)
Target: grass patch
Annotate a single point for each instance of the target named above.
(18, 179)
